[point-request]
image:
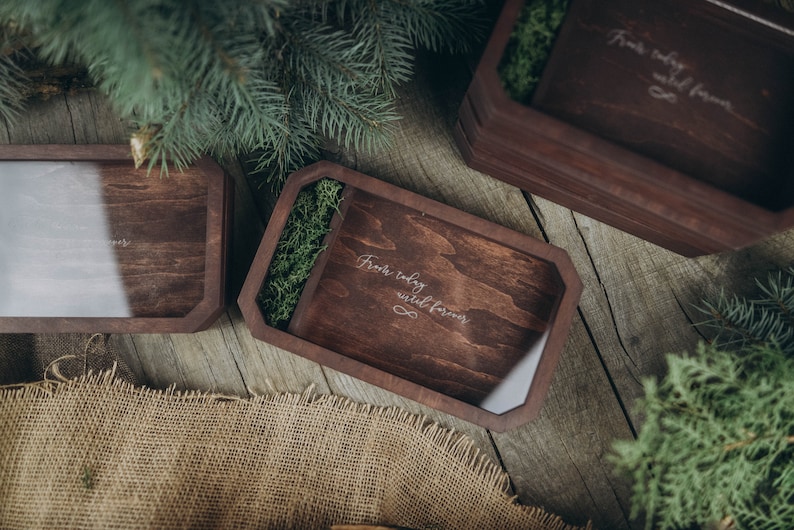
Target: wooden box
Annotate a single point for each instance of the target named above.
(424, 300)
(88, 243)
(672, 120)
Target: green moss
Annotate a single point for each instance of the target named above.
(529, 47)
(297, 250)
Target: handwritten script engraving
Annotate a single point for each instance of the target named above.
(412, 298)
(123, 242)
(66, 229)
(672, 82)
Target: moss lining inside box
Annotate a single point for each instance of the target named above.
(530, 46)
(300, 243)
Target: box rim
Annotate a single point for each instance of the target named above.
(219, 210)
(559, 325)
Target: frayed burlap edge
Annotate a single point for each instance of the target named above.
(455, 446)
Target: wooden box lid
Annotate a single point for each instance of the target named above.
(427, 301)
(671, 120)
(88, 243)
(700, 88)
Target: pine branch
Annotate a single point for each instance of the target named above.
(335, 94)
(766, 319)
(292, 150)
(391, 49)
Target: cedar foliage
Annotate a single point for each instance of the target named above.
(717, 443)
(272, 77)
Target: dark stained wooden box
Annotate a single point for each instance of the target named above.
(672, 120)
(88, 243)
(424, 300)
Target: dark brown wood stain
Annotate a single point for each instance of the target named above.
(422, 299)
(164, 241)
(506, 297)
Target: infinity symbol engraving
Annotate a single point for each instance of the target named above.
(400, 310)
(660, 93)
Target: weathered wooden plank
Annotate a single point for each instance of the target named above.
(93, 120)
(42, 122)
(558, 460)
(267, 369)
(160, 365)
(361, 392)
(639, 299)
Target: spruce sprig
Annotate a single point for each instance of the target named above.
(768, 318)
(274, 77)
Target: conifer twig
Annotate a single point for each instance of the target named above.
(234, 78)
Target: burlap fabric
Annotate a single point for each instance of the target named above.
(98, 452)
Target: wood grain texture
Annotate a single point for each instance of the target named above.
(714, 103)
(459, 326)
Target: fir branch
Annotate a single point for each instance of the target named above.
(332, 71)
(292, 150)
(391, 49)
(356, 121)
(437, 26)
(273, 77)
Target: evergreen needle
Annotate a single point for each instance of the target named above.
(273, 77)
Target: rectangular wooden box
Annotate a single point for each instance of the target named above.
(88, 243)
(426, 301)
(671, 120)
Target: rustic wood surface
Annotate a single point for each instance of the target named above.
(637, 305)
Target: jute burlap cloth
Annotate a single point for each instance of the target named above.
(100, 452)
